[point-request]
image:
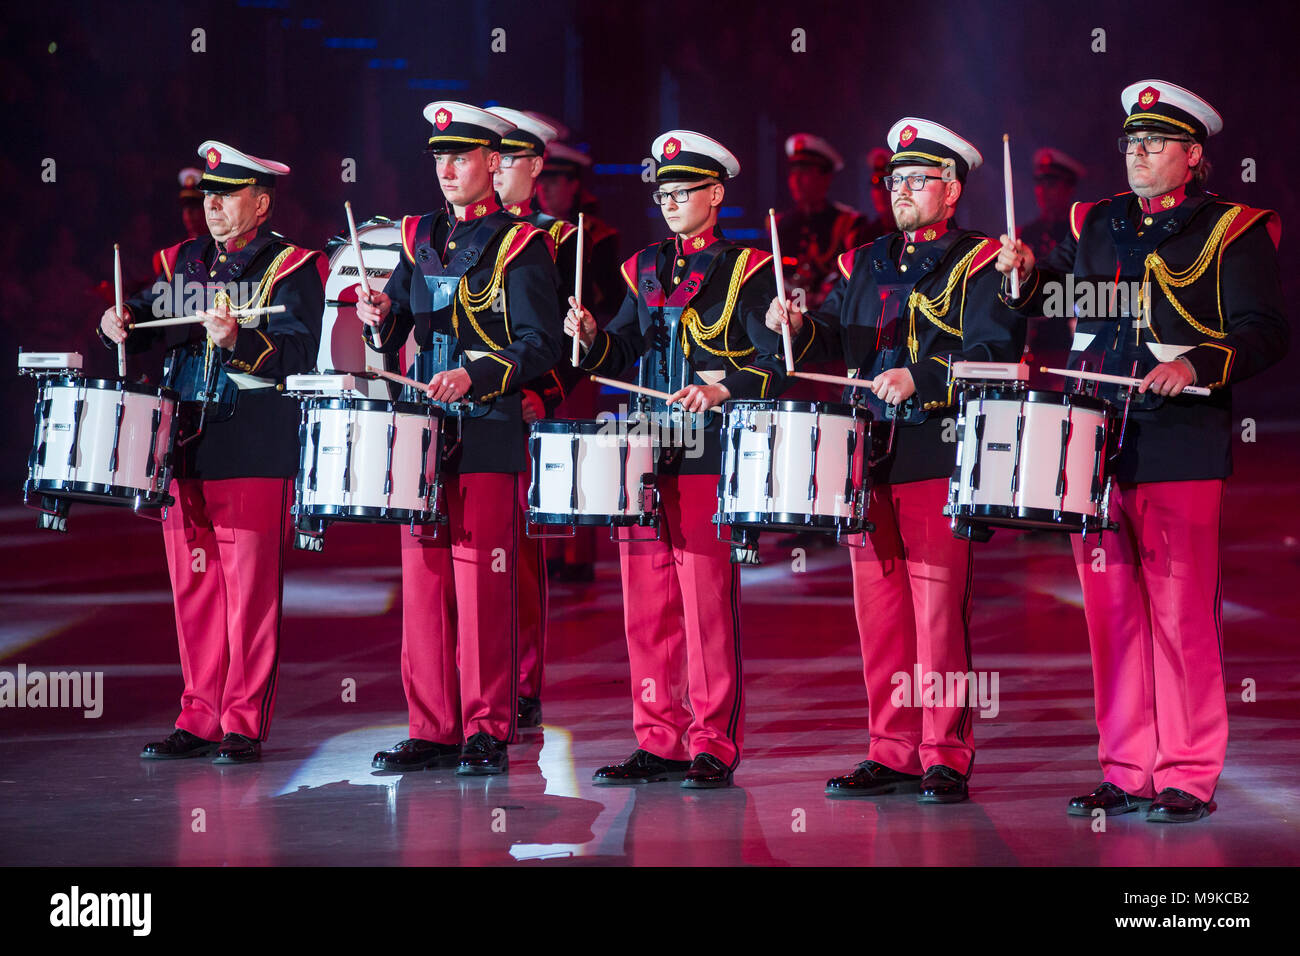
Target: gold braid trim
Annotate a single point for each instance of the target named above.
(261, 296)
(935, 309)
(475, 302)
(1156, 266)
(701, 333)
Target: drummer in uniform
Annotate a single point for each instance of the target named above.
(1214, 317)
(1056, 176)
(904, 308)
(522, 149)
(817, 230)
(480, 290)
(237, 452)
(693, 318)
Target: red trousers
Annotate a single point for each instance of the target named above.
(681, 608)
(1151, 596)
(460, 610)
(225, 544)
(532, 603)
(911, 594)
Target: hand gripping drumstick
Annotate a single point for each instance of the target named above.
(1011, 209)
(195, 319)
(780, 292)
(1114, 379)
(577, 294)
(361, 268)
(117, 294)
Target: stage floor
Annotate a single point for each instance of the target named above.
(74, 792)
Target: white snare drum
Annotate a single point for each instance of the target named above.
(103, 441)
(592, 472)
(794, 466)
(1030, 459)
(367, 460)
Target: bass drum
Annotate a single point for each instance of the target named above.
(342, 346)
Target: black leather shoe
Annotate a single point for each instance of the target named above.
(641, 767)
(236, 748)
(871, 779)
(940, 784)
(707, 772)
(1178, 806)
(530, 712)
(1107, 797)
(482, 754)
(179, 745)
(416, 754)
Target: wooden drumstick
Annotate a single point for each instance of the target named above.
(196, 319)
(399, 379)
(629, 387)
(1011, 209)
(835, 380)
(780, 292)
(1114, 379)
(577, 294)
(117, 295)
(361, 267)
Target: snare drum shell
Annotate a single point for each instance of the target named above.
(1036, 468)
(588, 454)
(813, 486)
(86, 472)
(346, 460)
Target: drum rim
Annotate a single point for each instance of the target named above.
(561, 518)
(790, 519)
(1039, 396)
(352, 403)
(363, 513)
(839, 409)
(101, 493)
(1007, 516)
(593, 426)
(113, 385)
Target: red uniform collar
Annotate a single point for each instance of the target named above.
(234, 245)
(928, 233)
(477, 210)
(526, 208)
(1164, 203)
(689, 245)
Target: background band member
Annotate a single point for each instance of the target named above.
(238, 451)
(1056, 176)
(522, 149)
(904, 308)
(479, 288)
(1154, 613)
(693, 317)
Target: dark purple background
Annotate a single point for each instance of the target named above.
(122, 104)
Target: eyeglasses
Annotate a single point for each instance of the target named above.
(659, 197)
(509, 159)
(1155, 143)
(915, 182)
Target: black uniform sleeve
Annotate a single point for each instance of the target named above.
(619, 345)
(991, 332)
(287, 344)
(532, 308)
(1033, 291)
(1253, 314)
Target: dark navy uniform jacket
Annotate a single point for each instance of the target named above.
(251, 430)
(694, 315)
(1212, 269)
(443, 285)
(919, 304)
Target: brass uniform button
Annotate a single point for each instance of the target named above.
(903, 267)
(451, 245)
(676, 279)
(221, 258)
(681, 262)
(911, 248)
(1147, 221)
